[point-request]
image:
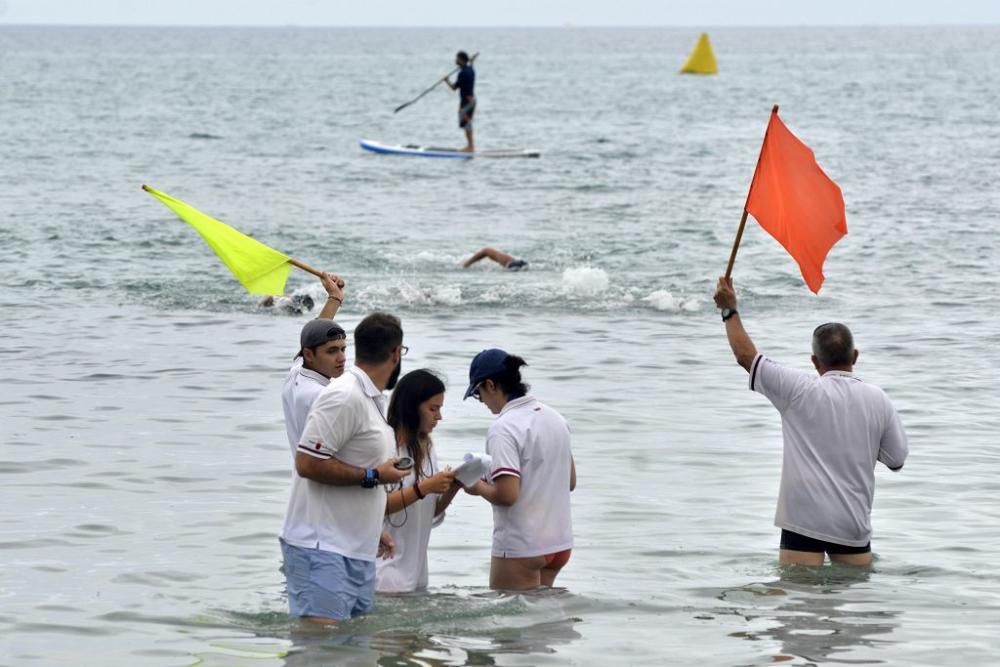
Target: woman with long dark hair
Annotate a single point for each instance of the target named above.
(417, 503)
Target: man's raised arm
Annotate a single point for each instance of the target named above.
(739, 340)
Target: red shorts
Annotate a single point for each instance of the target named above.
(558, 559)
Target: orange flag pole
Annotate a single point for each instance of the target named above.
(743, 219)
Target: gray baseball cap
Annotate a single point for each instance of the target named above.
(317, 332)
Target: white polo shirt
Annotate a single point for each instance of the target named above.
(301, 388)
(531, 441)
(410, 528)
(347, 422)
(835, 427)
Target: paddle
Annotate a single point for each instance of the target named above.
(436, 84)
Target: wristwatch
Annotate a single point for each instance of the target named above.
(727, 313)
(370, 480)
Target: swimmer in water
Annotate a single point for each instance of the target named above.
(301, 301)
(503, 259)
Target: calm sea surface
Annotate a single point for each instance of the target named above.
(143, 459)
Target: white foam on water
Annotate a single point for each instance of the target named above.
(448, 296)
(409, 294)
(585, 281)
(663, 300)
(425, 257)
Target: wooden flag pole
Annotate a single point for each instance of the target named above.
(736, 244)
(305, 267)
(313, 270)
(743, 219)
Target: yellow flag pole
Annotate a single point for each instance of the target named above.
(305, 267)
(743, 219)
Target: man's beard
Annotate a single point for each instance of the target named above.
(391, 384)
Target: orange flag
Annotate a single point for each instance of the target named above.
(795, 201)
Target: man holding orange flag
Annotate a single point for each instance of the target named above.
(835, 428)
(794, 201)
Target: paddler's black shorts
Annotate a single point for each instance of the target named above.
(796, 542)
(466, 110)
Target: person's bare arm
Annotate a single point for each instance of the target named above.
(572, 474)
(498, 256)
(739, 340)
(438, 483)
(445, 499)
(334, 287)
(337, 473)
(502, 492)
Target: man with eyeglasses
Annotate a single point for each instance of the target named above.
(835, 428)
(330, 539)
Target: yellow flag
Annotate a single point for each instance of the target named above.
(702, 59)
(261, 269)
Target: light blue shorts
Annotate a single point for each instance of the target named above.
(326, 584)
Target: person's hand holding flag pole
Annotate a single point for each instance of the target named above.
(259, 268)
(794, 201)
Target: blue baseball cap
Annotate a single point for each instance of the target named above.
(485, 365)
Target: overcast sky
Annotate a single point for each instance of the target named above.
(705, 13)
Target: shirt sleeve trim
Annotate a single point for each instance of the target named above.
(500, 472)
(753, 371)
(313, 453)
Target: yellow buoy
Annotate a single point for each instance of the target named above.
(702, 59)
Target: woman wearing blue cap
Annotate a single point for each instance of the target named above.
(531, 479)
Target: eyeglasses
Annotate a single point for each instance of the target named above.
(403, 350)
(475, 392)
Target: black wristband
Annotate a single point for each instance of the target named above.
(370, 480)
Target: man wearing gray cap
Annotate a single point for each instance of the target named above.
(322, 356)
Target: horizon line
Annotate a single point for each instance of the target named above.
(567, 25)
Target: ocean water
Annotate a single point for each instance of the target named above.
(143, 458)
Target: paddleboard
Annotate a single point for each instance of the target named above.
(432, 151)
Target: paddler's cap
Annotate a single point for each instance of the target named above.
(485, 365)
(318, 332)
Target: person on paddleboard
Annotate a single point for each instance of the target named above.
(835, 429)
(465, 84)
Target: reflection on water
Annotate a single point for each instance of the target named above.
(438, 629)
(818, 615)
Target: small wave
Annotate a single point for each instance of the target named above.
(584, 281)
(663, 300)
(203, 135)
(425, 257)
(409, 295)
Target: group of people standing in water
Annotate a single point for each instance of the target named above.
(367, 487)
